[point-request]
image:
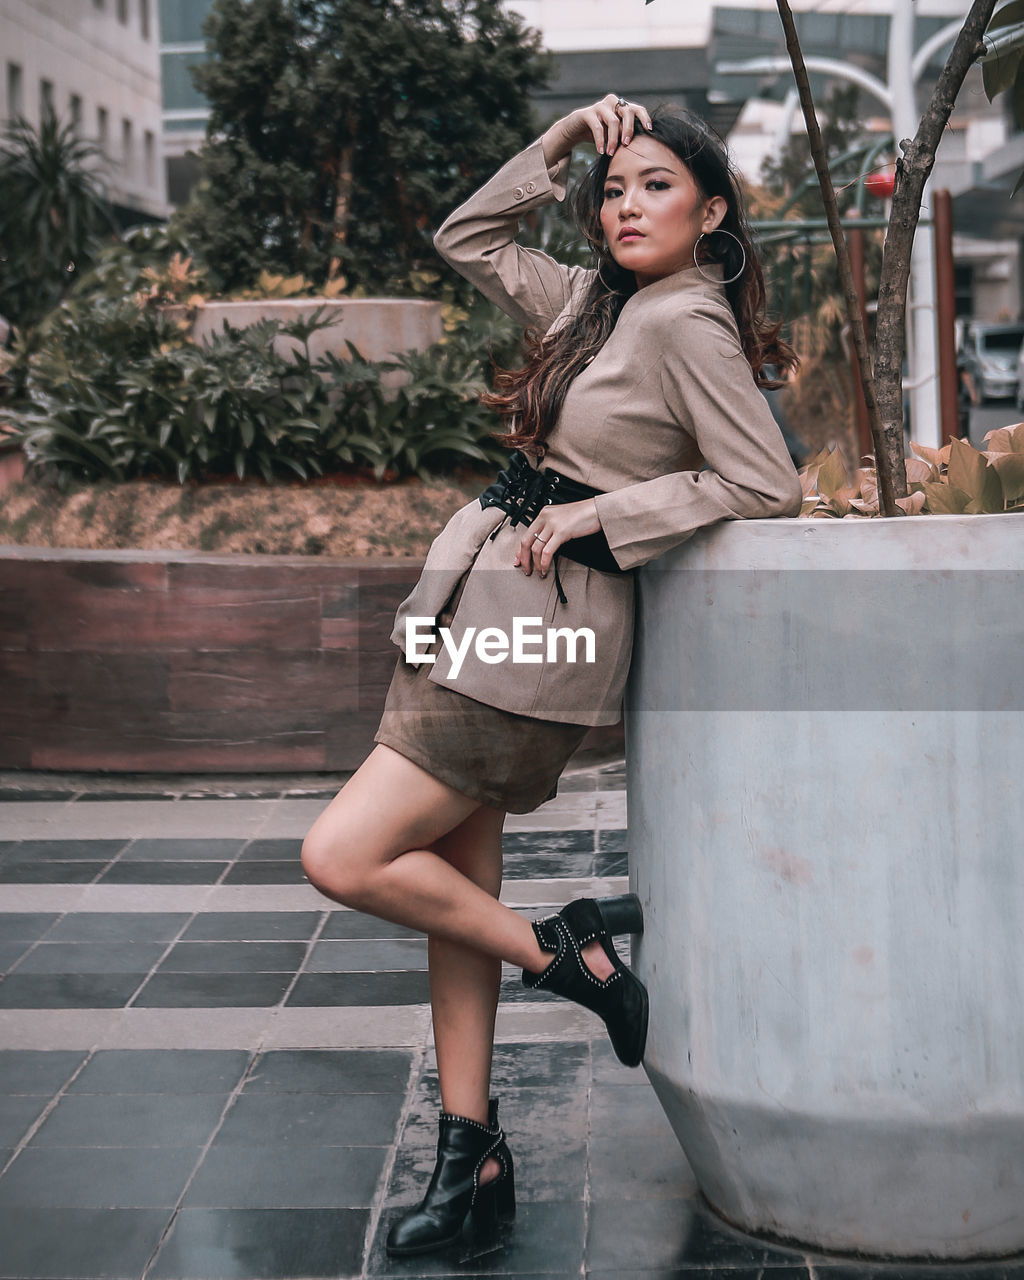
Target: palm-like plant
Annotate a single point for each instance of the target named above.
(53, 212)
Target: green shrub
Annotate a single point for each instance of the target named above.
(114, 390)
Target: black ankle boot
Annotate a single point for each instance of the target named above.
(621, 1000)
(463, 1147)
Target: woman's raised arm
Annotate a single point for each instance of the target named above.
(478, 239)
(605, 123)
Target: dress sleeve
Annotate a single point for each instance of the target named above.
(478, 240)
(710, 391)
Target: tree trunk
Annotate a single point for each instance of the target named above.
(883, 392)
(343, 193)
(912, 171)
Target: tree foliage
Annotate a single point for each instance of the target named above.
(343, 131)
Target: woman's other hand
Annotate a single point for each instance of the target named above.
(606, 124)
(553, 527)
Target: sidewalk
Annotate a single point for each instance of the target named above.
(206, 1071)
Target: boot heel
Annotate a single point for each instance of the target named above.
(505, 1196)
(496, 1200)
(485, 1208)
(621, 914)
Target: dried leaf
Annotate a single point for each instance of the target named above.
(1010, 469)
(809, 483)
(918, 471)
(832, 474)
(913, 504)
(1000, 440)
(969, 471)
(820, 457)
(934, 456)
(945, 499)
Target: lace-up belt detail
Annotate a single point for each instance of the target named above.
(522, 491)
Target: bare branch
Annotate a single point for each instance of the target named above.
(890, 485)
(912, 171)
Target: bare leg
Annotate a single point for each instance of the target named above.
(464, 982)
(372, 849)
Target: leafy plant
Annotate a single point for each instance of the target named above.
(432, 420)
(954, 480)
(53, 215)
(118, 391)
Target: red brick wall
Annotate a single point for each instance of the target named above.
(147, 661)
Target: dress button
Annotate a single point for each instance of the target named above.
(531, 187)
(518, 193)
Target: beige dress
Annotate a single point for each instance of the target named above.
(502, 759)
(666, 421)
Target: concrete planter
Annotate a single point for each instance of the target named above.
(826, 754)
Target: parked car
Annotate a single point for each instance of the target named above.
(989, 359)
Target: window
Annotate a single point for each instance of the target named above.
(122, 11)
(127, 158)
(15, 105)
(149, 144)
(144, 16)
(45, 99)
(76, 112)
(103, 128)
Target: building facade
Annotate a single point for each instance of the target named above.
(95, 63)
(185, 111)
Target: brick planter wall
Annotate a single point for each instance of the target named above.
(148, 661)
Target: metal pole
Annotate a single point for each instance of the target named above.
(921, 339)
(945, 291)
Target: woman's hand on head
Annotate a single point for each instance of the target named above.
(607, 124)
(552, 529)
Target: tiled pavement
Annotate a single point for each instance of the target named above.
(205, 1072)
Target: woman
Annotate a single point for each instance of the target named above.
(643, 405)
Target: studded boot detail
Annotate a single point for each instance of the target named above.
(621, 999)
(463, 1147)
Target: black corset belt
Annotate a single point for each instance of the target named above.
(522, 491)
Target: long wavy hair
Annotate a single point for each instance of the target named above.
(530, 399)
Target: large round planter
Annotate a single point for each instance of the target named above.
(826, 808)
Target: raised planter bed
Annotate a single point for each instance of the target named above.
(378, 327)
(174, 661)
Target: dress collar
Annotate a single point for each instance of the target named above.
(686, 278)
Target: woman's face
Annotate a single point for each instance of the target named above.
(652, 213)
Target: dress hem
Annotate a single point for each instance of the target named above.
(450, 778)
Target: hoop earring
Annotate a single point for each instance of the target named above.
(743, 264)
